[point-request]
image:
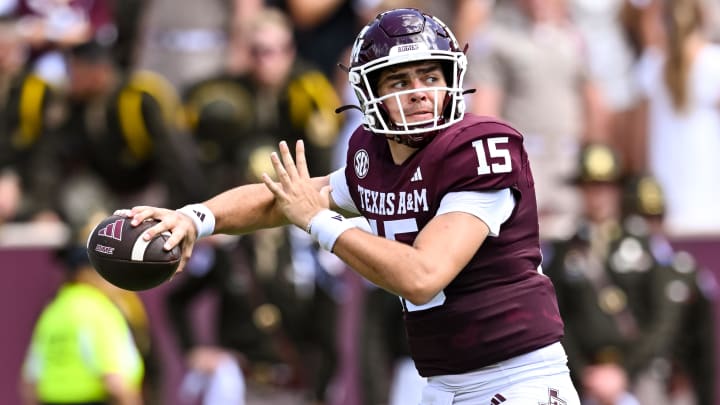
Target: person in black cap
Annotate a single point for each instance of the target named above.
(621, 320)
(693, 359)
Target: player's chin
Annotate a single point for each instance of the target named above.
(420, 118)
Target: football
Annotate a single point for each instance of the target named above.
(119, 253)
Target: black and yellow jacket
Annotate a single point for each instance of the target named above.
(236, 124)
(127, 139)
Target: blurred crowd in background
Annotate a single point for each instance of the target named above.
(107, 104)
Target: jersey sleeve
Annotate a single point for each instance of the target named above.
(341, 193)
(483, 157)
(492, 207)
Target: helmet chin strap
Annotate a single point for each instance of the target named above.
(344, 108)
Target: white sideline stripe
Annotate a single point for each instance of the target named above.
(138, 250)
(140, 246)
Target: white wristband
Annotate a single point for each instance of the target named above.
(327, 226)
(202, 217)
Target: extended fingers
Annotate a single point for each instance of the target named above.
(288, 161)
(301, 161)
(280, 171)
(273, 186)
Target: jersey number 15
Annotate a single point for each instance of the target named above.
(496, 149)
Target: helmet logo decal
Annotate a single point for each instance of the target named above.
(357, 46)
(362, 163)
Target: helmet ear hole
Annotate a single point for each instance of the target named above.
(447, 70)
(374, 80)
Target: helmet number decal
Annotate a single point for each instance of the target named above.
(496, 149)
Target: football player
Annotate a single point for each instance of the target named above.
(449, 198)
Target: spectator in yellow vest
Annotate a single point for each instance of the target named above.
(82, 350)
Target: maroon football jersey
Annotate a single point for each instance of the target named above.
(499, 306)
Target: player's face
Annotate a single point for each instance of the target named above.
(418, 105)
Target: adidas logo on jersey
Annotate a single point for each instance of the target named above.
(417, 176)
(113, 230)
(497, 399)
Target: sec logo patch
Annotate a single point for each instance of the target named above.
(362, 163)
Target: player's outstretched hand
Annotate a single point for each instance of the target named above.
(181, 227)
(294, 192)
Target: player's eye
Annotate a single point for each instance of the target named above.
(432, 79)
(399, 84)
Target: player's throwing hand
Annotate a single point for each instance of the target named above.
(295, 194)
(182, 230)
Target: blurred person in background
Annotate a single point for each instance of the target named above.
(28, 112)
(530, 68)
(274, 337)
(44, 28)
(678, 74)
(622, 307)
(233, 116)
(48, 27)
(468, 16)
(640, 27)
(188, 40)
(24, 117)
(129, 17)
(12, 59)
(83, 350)
(113, 138)
(10, 195)
(611, 59)
(323, 29)
(277, 293)
(693, 371)
(712, 22)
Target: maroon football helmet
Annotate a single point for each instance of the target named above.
(402, 36)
